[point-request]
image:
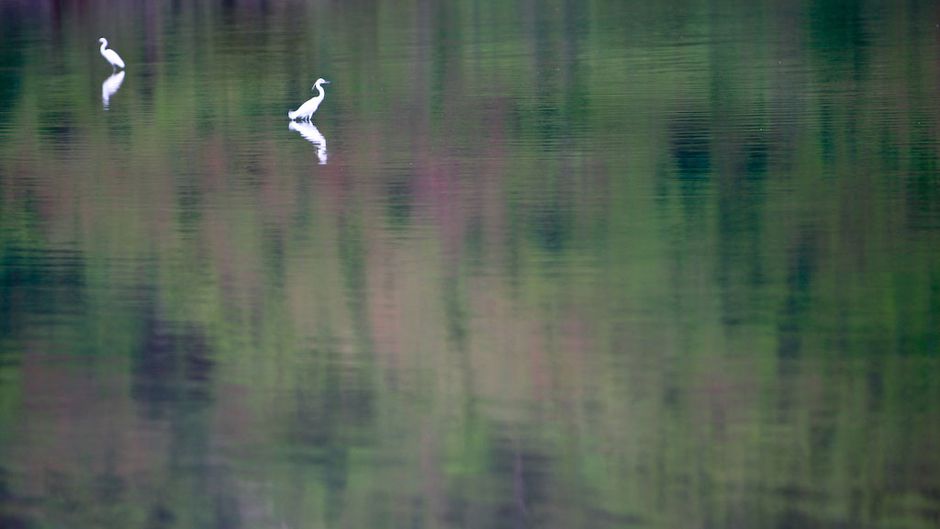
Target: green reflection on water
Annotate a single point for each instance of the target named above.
(569, 264)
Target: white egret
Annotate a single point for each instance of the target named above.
(110, 55)
(307, 109)
(110, 87)
(310, 132)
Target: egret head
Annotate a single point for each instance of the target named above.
(319, 82)
(102, 40)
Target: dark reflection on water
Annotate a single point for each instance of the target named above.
(563, 264)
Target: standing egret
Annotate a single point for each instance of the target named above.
(307, 109)
(110, 55)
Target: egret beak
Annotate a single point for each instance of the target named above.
(326, 82)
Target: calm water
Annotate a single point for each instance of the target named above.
(555, 264)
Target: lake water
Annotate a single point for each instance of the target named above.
(554, 264)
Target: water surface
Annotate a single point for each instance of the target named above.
(535, 264)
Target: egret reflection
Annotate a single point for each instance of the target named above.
(310, 132)
(110, 87)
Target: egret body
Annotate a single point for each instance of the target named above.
(307, 109)
(110, 55)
